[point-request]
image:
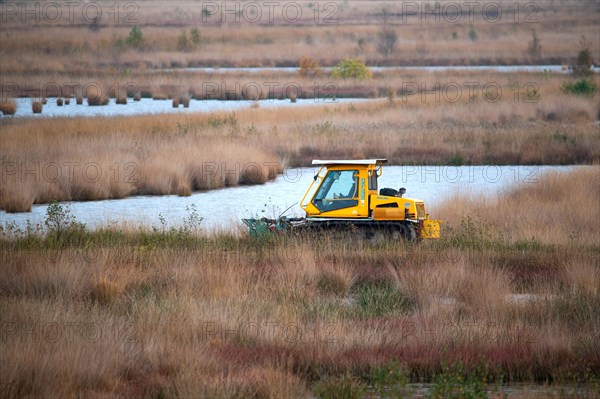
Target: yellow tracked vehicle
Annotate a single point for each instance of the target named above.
(344, 195)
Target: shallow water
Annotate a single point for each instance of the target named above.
(224, 208)
(148, 106)
(512, 391)
(467, 68)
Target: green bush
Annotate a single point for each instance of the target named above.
(351, 69)
(195, 36)
(456, 383)
(581, 87)
(390, 381)
(344, 387)
(135, 38)
(60, 221)
(473, 34)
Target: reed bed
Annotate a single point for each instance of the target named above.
(182, 314)
(165, 153)
(120, 162)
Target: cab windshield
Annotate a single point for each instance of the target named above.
(339, 190)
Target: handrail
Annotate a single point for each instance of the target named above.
(302, 204)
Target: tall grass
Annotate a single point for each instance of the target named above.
(131, 157)
(165, 314)
(519, 212)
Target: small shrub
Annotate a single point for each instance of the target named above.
(175, 103)
(59, 220)
(344, 387)
(472, 34)
(581, 87)
(351, 69)
(391, 97)
(456, 383)
(137, 97)
(584, 59)
(535, 46)
(380, 300)
(135, 38)
(79, 100)
(67, 101)
(183, 42)
(36, 107)
(389, 381)
(456, 160)
(185, 100)
(386, 41)
(8, 107)
(59, 102)
(309, 67)
(195, 36)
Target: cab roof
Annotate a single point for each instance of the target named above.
(348, 161)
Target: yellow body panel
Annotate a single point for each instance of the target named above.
(407, 208)
(388, 214)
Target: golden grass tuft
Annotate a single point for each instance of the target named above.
(36, 107)
(8, 107)
(96, 96)
(121, 98)
(185, 100)
(175, 102)
(104, 291)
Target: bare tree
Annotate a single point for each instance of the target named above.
(386, 37)
(535, 45)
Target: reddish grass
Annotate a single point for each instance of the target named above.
(227, 316)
